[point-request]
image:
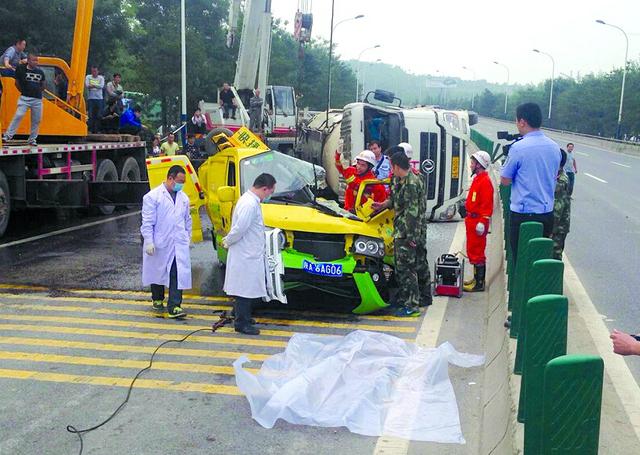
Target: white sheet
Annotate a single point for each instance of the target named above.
(369, 382)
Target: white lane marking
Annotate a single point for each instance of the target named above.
(595, 178)
(64, 231)
(620, 164)
(427, 338)
(623, 381)
(582, 153)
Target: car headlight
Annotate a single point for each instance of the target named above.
(448, 214)
(369, 246)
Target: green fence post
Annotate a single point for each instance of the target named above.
(529, 230)
(545, 278)
(547, 339)
(505, 197)
(546, 275)
(571, 405)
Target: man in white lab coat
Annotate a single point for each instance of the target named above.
(245, 278)
(166, 229)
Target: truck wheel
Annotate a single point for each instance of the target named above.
(107, 172)
(130, 170)
(5, 203)
(210, 147)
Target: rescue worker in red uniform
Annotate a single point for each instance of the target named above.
(354, 175)
(479, 207)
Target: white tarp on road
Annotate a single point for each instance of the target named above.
(369, 382)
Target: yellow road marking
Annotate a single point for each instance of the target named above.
(109, 292)
(165, 350)
(120, 382)
(142, 335)
(204, 317)
(132, 324)
(118, 363)
(146, 302)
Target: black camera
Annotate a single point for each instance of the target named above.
(506, 136)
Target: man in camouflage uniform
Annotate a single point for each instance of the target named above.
(409, 202)
(561, 209)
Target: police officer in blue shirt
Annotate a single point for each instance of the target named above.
(531, 170)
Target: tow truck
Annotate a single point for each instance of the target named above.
(70, 169)
(313, 243)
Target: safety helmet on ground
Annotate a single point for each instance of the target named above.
(408, 150)
(368, 157)
(482, 158)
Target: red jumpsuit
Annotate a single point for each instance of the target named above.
(353, 185)
(479, 207)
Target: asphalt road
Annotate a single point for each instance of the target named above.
(75, 327)
(604, 242)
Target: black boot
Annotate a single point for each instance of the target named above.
(481, 270)
(242, 323)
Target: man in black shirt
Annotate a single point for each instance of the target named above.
(227, 101)
(30, 82)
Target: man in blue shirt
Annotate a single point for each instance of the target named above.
(382, 169)
(531, 169)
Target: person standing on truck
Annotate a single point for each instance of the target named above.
(12, 57)
(115, 91)
(409, 202)
(255, 111)
(166, 229)
(94, 83)
(531, 169)
(355, 175)
(227, 101)
(171, 147)
(382, 169)
(571, 167)
(246, 276)
(30, 81)
(561, 209)
(479, 207)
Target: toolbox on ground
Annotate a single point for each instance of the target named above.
(449, 275)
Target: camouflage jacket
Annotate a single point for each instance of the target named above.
(562, 205)
(408, 198)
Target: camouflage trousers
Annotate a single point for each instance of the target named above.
(412, 273)
(558, 244)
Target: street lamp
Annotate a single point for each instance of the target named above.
(506, 89)
(360, 70)
(473, 94)
(624, 73)
(364, 73)
(553, 74)
(183, 70)
(333, 27)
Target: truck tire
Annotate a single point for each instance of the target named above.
(210, 146)
(130, 170)
(5, 203)
(106, 172)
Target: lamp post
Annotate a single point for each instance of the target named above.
(333, 27)
(506, 89)
(553, 75)
(473, 94)
(183, 62)
(360, 70)
(364, 72)
(624, 73)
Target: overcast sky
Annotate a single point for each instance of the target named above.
(423, 36)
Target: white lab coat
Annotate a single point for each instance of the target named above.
(168, 226)
(246, 272)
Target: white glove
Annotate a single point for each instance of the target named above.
(150, 249)
(480, 229)
(225, 244)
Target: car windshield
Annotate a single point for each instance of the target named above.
(291, 174)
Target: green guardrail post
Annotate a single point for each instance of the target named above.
(505, 197)
(547, 276)
(529, 230)
(543, 278)
(571, 406)
(547, 339)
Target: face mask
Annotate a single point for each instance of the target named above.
(178, 187)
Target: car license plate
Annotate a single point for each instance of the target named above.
(322, 268)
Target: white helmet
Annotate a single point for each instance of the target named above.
(368, 157)
(408, 150)
(482, 158)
